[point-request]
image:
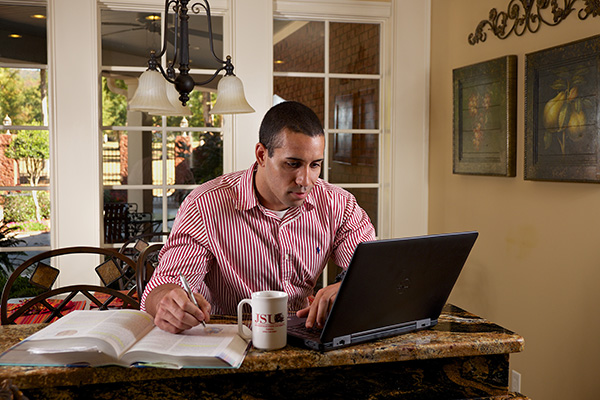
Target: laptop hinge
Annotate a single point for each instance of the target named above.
(342, 340)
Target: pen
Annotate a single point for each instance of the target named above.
(189, 291)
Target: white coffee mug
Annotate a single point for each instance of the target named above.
(269, 320)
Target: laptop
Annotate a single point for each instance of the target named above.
(391, 286)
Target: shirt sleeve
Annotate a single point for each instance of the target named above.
(185, 252)
(354, 227)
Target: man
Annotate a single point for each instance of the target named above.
(271, 227)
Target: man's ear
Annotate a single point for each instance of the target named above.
(261, 153)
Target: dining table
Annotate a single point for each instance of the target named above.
(464, 356)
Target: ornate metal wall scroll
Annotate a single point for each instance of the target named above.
(530, 15)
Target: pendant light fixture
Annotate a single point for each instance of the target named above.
(163, 92)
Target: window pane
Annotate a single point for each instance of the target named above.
(299, 46)
(114, 100)
(128, 37)
(309, 91)
(367, 199)
(194, 157)
(200, 54)
(130, 212)
(175, 198)
(24, 218)
(354, 48)
(132, 157)
(354, 104)
(353, 158)
(23, 34)
(24, 158)
(22, 94)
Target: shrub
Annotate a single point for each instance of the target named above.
(19, 207)
(21, 288)
(33, 226)
(7, 240)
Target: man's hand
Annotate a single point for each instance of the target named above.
(174, 311)
(317, 312)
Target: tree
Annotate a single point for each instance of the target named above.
(114, 105)
(33, 149)
(21, 94)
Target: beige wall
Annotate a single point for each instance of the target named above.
(536, 266)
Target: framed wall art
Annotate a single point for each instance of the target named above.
(484, 120)
(561, 112)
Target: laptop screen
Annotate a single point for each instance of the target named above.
(393, 281)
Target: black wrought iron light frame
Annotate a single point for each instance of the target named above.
(184, 83)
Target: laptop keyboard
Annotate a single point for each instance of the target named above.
(299, 329)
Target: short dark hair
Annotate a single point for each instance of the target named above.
(290, 115)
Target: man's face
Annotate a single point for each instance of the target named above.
(284, 180)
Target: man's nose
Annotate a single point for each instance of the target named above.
(303, 178)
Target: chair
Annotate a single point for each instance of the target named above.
(145, 266)
(122, 221)
(43, 275)
(116, 222)
(133, 248)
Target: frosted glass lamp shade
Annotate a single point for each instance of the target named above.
(150, 95)
(230, 97)
(176, 109)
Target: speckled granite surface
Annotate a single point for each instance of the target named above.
(462, 357)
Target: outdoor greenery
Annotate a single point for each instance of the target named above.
(7, 239)
(19, 207)
(21, 93)
(208, 159)
(33, 149)
(114, 106)
(21, 288)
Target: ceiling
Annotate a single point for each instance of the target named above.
(127, 37)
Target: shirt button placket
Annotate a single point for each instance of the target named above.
(285, 255)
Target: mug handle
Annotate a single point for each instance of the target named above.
(243, 330)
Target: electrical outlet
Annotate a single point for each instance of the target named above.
(515, 381)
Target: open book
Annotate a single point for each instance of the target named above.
(127, 338)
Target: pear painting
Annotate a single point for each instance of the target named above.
(565, 115)
(562, 114)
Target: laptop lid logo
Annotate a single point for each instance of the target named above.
(404, 282)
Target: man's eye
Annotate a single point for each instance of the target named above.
(293, 164)
(316, 165)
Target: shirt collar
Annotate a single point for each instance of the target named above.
(246, 196)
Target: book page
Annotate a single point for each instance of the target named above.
(120, 329)
(197, 343)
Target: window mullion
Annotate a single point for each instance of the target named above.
(326, 105)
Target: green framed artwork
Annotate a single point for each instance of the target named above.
(484, 125)
(561, 112)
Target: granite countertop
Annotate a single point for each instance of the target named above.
(457, 334)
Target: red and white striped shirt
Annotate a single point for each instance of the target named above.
(228, 245)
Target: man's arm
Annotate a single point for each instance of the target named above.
(183, 253)
(356, 227)
(173, 310)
